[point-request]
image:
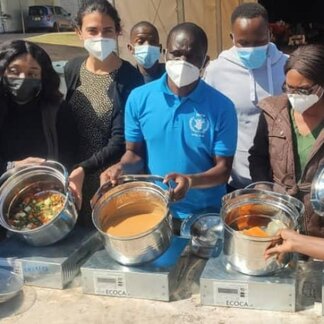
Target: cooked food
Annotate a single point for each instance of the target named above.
(135, 218)
(273, 227)
(35, 209)
(255, 231)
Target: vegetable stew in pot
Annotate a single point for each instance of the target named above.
(34, 208)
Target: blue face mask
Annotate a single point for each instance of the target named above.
(252, 57)
(146, 55)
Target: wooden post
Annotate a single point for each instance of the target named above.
(219, 32)
(180, 11)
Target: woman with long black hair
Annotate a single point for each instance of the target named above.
(35, 122)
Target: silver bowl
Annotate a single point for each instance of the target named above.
(10, 285)
(206, 233)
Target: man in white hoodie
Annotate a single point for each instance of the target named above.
(246, 73)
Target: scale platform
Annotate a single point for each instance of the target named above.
(51, 266)
(222, 286)
(155, 280)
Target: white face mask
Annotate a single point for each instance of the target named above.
(100, 47)
(181, 72)
(301, 103)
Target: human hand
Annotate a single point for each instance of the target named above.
(288, 239)
(183, 185)
(76, 180)
(111, 174)
(28, 161)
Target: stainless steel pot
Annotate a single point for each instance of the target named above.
(253, 207)
(205, 231)
(49, 175)
(317, 192)
(131, 190)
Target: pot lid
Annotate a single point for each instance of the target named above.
(10, 285)
(205, 228)
(317, 192)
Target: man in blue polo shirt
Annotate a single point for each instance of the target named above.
(181, 128)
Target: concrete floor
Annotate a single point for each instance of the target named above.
(39, 305)
(70, 306)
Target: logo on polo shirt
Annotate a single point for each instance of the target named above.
(199, 124)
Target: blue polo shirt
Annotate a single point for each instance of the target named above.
(183, 135)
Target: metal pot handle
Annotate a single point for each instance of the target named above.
(60, 167)
(273, 189)
(125, 179)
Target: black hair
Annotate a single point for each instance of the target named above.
(249, 10)
(195, 30)
(145, 24)
(50, 79)
(308, 60)
(102, 6)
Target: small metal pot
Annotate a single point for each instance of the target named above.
(246, 253)
(205, 230)
(141, 248)
(47, 175)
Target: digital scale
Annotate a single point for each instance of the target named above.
(290, 289)
(51, 266)
(154, 280)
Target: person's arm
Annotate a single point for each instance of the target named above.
(18, 163)
(131, 162)
(107, 155)
(259, 159)
(294, 242)
(217, 175)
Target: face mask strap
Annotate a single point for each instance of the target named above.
(203, 63)
(319, 88)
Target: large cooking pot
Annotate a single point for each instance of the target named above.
(317, 192)
(246, 208)
(136, 194)
(49, 175)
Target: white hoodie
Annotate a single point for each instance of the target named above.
(246, 88)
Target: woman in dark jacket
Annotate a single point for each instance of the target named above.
(97, 89)
(289, 143)
(35, 123)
